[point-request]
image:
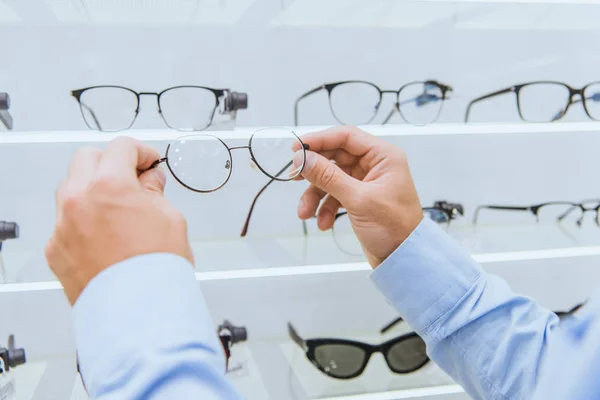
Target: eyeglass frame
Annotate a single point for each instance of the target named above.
(165, 159)
(534, 209)
(218, 93)
(330, 86)
(310, 345)
(517, 89)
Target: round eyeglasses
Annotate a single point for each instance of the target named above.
(203, 163)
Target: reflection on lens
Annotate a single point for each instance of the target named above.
(108, 109)
(592, 100)
(188, 108)
(561, 212)
(407, 355)
(420, 102)
(344, 236)
(273, 152)
(543, 102)
(201, 162)
(355, 103)
(340, 360)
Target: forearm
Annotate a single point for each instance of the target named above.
(143, 331)
(486, 337)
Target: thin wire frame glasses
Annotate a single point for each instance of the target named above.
(203, 163)
(358, 102)
(185, 108)
(547, 101)
(556, 211)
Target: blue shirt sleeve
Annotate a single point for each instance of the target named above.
(143, 331)
(495, 343)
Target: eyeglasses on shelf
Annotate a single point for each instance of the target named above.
(547, 101)
(556, 211)
(230, 335)
(203, 163)
(347, 359)
(358, 102)
(185, 108)
(5, 117)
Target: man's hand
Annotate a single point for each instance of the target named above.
(367, 176)
(109, 210)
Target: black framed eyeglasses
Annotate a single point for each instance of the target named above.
(547, 101)
(185, 108)
(203, 163)
(564, 314)
(358, 102)
(347, 359)
(558, 211)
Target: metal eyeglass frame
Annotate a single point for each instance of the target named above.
(275, 177)
(232, 101)
(309, 346)
(535, 210)
(420, 100)
(516, 89)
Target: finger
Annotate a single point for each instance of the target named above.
(328, 177)
(125, 157)
(154, 180)
(341, 158)
(353, 140)
(82, 169)
(327, 212)
(309, 202)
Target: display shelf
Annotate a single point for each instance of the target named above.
(419, 393)
(87, 136)
(318, 253)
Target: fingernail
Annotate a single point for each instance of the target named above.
(311, 158)
(298, 159)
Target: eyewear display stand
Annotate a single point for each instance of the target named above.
(289, 276)
(5, 117)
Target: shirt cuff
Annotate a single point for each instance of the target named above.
(426, 276)
(146, 302)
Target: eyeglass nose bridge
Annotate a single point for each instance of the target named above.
(239, 147)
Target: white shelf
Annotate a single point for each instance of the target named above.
(299, 256)
(87, 136)
(419, 393)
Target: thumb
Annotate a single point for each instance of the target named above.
(327, 176)
(154, 180)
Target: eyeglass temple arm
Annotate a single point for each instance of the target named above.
(391, 325)
(595, 97)
(562, 314)
(303, 96)
(93, 114)
(249, 216)
(499, 208)
(485, 97)
(295, 336)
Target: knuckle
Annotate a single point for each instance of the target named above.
(72, 201)
(328, 175)
(178, 220)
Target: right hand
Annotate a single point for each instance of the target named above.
(111, 208)
(367, 176)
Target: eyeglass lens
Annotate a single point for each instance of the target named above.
(355, 103)
(201, 162)
(344, 236)
(340, 360)
(592, 100)
(543, 102)
(272, 150)
(188, 108)
(407, 355)
(108, 109)
(420, 103)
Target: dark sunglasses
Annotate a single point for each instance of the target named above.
(347, 359)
